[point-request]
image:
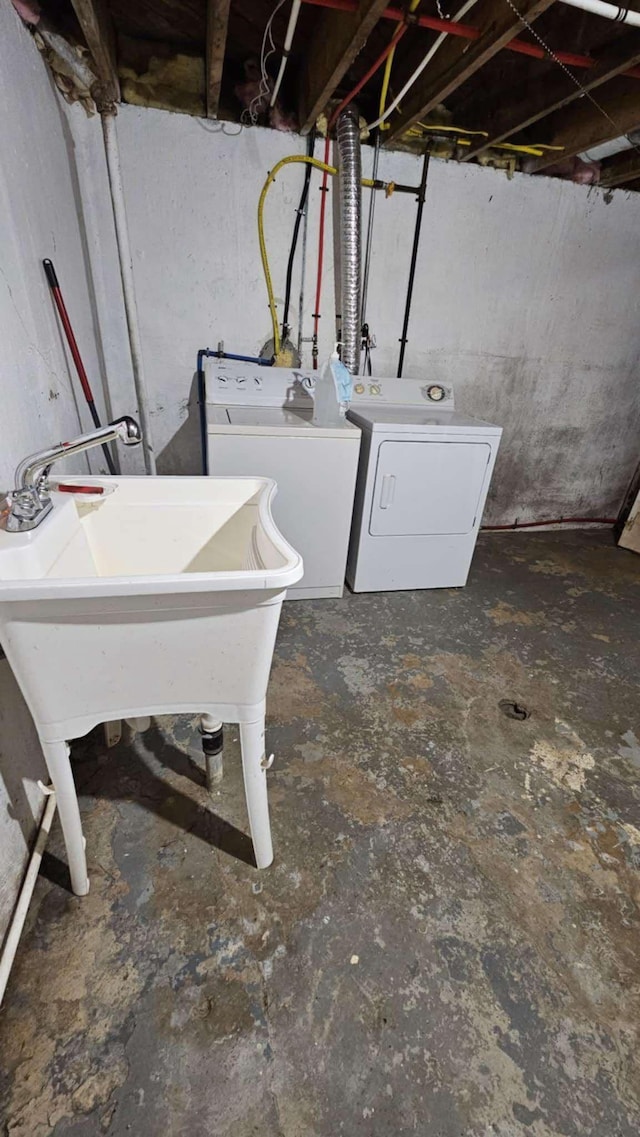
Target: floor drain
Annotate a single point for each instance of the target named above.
(513, 710)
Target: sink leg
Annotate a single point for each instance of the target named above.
(212, 745)
(57, 758)
(255, 788)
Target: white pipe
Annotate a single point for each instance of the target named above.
(607, 149)
(128, 288)
(74, 62)
(288, 40)
(420, 68)
(609, 11)
(26, 892)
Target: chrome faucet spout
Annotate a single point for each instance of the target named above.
(29, 503)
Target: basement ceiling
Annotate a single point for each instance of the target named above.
(202, 57)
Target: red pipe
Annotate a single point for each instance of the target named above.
(556, 521)
(397, 36)
(467, 31)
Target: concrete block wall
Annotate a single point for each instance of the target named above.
(525, 296)
(38, 218)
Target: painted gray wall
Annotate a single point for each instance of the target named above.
(526, 297)
(38, 218)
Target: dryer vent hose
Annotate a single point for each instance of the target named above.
(350, 174)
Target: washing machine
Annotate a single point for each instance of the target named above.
(423, 478)
(259, 422)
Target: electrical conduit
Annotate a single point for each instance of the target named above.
(288, 40)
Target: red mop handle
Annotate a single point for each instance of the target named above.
(66, 323)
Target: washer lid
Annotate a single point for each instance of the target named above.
(408, 420)
(290, 421)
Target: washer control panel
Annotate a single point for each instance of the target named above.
(233, 383)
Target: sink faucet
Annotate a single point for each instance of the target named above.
(29, 503)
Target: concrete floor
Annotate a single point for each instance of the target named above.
(448, 941)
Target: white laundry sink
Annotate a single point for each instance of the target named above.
(149, 535)
(155, 595)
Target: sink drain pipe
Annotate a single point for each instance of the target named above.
(128, 288)
(350, 175)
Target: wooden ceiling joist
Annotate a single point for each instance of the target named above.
(217, 21)
(622, 168)
(458, 59)
(585, 126)
(337, 40)
(556, 91)
(99, 32)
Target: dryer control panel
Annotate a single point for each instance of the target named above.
(402, 392)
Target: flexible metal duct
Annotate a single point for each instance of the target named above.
(348, 134)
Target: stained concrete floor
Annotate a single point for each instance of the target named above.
(448, 942)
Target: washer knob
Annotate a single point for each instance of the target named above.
(359, 389)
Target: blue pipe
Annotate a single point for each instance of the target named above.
(202, 403)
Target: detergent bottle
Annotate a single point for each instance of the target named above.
(332, 392)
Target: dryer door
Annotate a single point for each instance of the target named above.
(427, 487)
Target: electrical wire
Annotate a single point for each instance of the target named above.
(252, 112)
(288, 40)
(391, 46)
(386, 78)
(419, 69)
(535, 149)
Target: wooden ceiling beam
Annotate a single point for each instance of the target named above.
(336, 41)
(622, 168)
(458, 59)
(554, 92)
(217, 22)
(584, 127)
(99, 32)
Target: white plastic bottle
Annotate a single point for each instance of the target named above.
(332, 392)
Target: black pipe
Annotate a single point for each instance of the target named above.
(414, 258)
(296, 230)
(394, 187)
(202, 396)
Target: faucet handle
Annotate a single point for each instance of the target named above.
(128, 430)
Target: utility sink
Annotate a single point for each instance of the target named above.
(144, 596)
(142, 535)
